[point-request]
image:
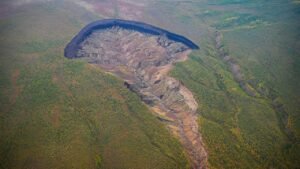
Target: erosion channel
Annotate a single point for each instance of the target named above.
(142, 55)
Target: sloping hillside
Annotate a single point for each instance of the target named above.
(60, 113)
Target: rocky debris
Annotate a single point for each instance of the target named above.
(143, 62)
(163, 41)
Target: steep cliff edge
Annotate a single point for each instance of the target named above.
(143, 61)
(70, 50)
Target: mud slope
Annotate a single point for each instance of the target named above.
(143, 59)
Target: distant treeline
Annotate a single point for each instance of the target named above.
(71, 48)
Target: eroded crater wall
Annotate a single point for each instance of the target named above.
(143, 60)
(132, 25)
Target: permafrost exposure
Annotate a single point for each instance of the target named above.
(70, 50)
(142, 55)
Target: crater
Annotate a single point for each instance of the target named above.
(142, 55)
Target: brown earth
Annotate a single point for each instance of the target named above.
(143, 62)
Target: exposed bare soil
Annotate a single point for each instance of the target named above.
(143, 62)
